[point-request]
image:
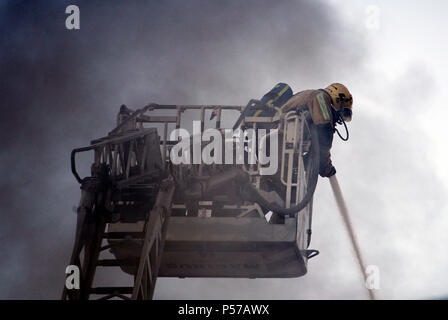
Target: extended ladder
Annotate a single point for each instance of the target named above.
(127, 183)
(93, 232)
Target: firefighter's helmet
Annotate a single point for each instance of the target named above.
(342, 100)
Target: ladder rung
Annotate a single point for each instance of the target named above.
(111, 290)
(123, 235)
(117, 262)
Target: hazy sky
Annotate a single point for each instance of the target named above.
(61, 88)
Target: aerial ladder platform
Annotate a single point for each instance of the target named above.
(191, 220)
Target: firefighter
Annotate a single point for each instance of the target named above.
(327, 107)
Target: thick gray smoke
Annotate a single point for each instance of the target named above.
(60, 89)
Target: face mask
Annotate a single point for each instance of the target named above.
(346, 114)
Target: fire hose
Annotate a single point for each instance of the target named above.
(312, 181)
(348, 224)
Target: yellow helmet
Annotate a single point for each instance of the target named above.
(342, 100)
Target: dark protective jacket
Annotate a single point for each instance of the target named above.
(320, 107)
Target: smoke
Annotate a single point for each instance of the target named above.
(60, 89)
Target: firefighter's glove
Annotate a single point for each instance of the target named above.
(329, 171)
